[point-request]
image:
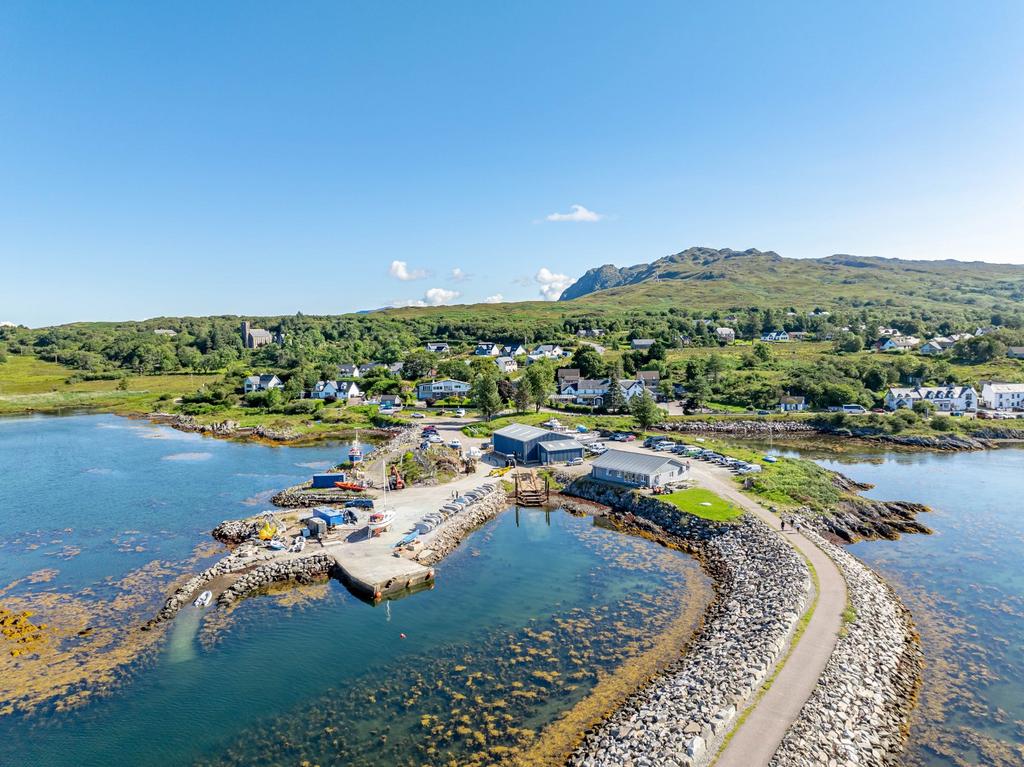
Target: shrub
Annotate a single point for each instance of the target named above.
(303, 407)
(942, 423)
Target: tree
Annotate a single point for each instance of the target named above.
(522, 396)
(588, 361)
(763, 352)
(698, 392)
(644, 410)
(848, 342)
(541, 384)
(484, 393)
(615, 399)
(715, 366)
(418, 364)
(923, 408)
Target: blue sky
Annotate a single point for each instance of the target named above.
(265, 158)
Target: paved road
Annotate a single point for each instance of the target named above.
(760, 735)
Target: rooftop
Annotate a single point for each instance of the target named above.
(633, 463)
(521, 431)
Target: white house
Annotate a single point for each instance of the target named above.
(946, 399)
(932, 348)
(792, 404)
(342, 390)
(637, 469)
(593, 391)
(1002, 396)
(448, 387)
(437, 347)
(725, 335)
(776, 336)
(897, 343)
(513, 350)
(487, 349)
(261, 383)
(506, 364)
(548, 351)
(348, 370)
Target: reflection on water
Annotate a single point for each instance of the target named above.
(532, 613)
(965, 587)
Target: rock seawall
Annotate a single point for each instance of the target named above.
(301, 569)
(859, 712)
(446, 538)
(762, 588)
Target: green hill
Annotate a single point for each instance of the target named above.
(726, 279)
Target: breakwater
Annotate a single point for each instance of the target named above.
(446, 538)
(762, 589)
(859, 711)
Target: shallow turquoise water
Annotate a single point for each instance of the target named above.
(965, 585)
(523, 617)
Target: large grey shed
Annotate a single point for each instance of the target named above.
(522, 441)
(637, 469)
(559, 450)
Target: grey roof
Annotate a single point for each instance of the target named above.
(634, 463)
(521, 431)
(558, 445)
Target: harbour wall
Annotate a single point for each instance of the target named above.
(762, 588)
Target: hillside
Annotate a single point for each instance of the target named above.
(720, 279)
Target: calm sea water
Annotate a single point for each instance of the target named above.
(526, 618)
(965, 586)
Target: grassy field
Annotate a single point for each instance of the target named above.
(702, 503)
(31, 385)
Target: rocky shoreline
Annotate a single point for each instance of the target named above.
(228, 429)
(984, 438)
(762, 588)
(859, 711)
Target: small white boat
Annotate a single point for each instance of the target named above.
(380, 521)
(204, 599)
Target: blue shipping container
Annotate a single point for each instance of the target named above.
(327, 480)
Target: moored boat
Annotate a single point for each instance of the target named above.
(204, 599)
(355, 452)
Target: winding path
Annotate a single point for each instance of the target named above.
(757, 738)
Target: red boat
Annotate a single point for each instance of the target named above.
(354, 486)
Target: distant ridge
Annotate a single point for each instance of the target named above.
(767, 275)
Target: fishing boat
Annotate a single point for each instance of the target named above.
(355, 452)
(204, 599)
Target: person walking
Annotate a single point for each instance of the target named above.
(783, 524)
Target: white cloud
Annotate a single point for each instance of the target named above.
(400, 271)
(433, 297)
(497, 298)
(460, 276)
(577, 213)
(551, 284)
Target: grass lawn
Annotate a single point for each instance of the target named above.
(691, 501)
(28, 384)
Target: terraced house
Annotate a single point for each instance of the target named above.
(946, 399)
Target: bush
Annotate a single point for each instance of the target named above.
(303, 407)
(942, 423)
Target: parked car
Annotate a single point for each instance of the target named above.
(854, 409)
(460, 413)
(665, 445)
(455, 444)
(435, 439)
(574, 462)
(417, 415)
